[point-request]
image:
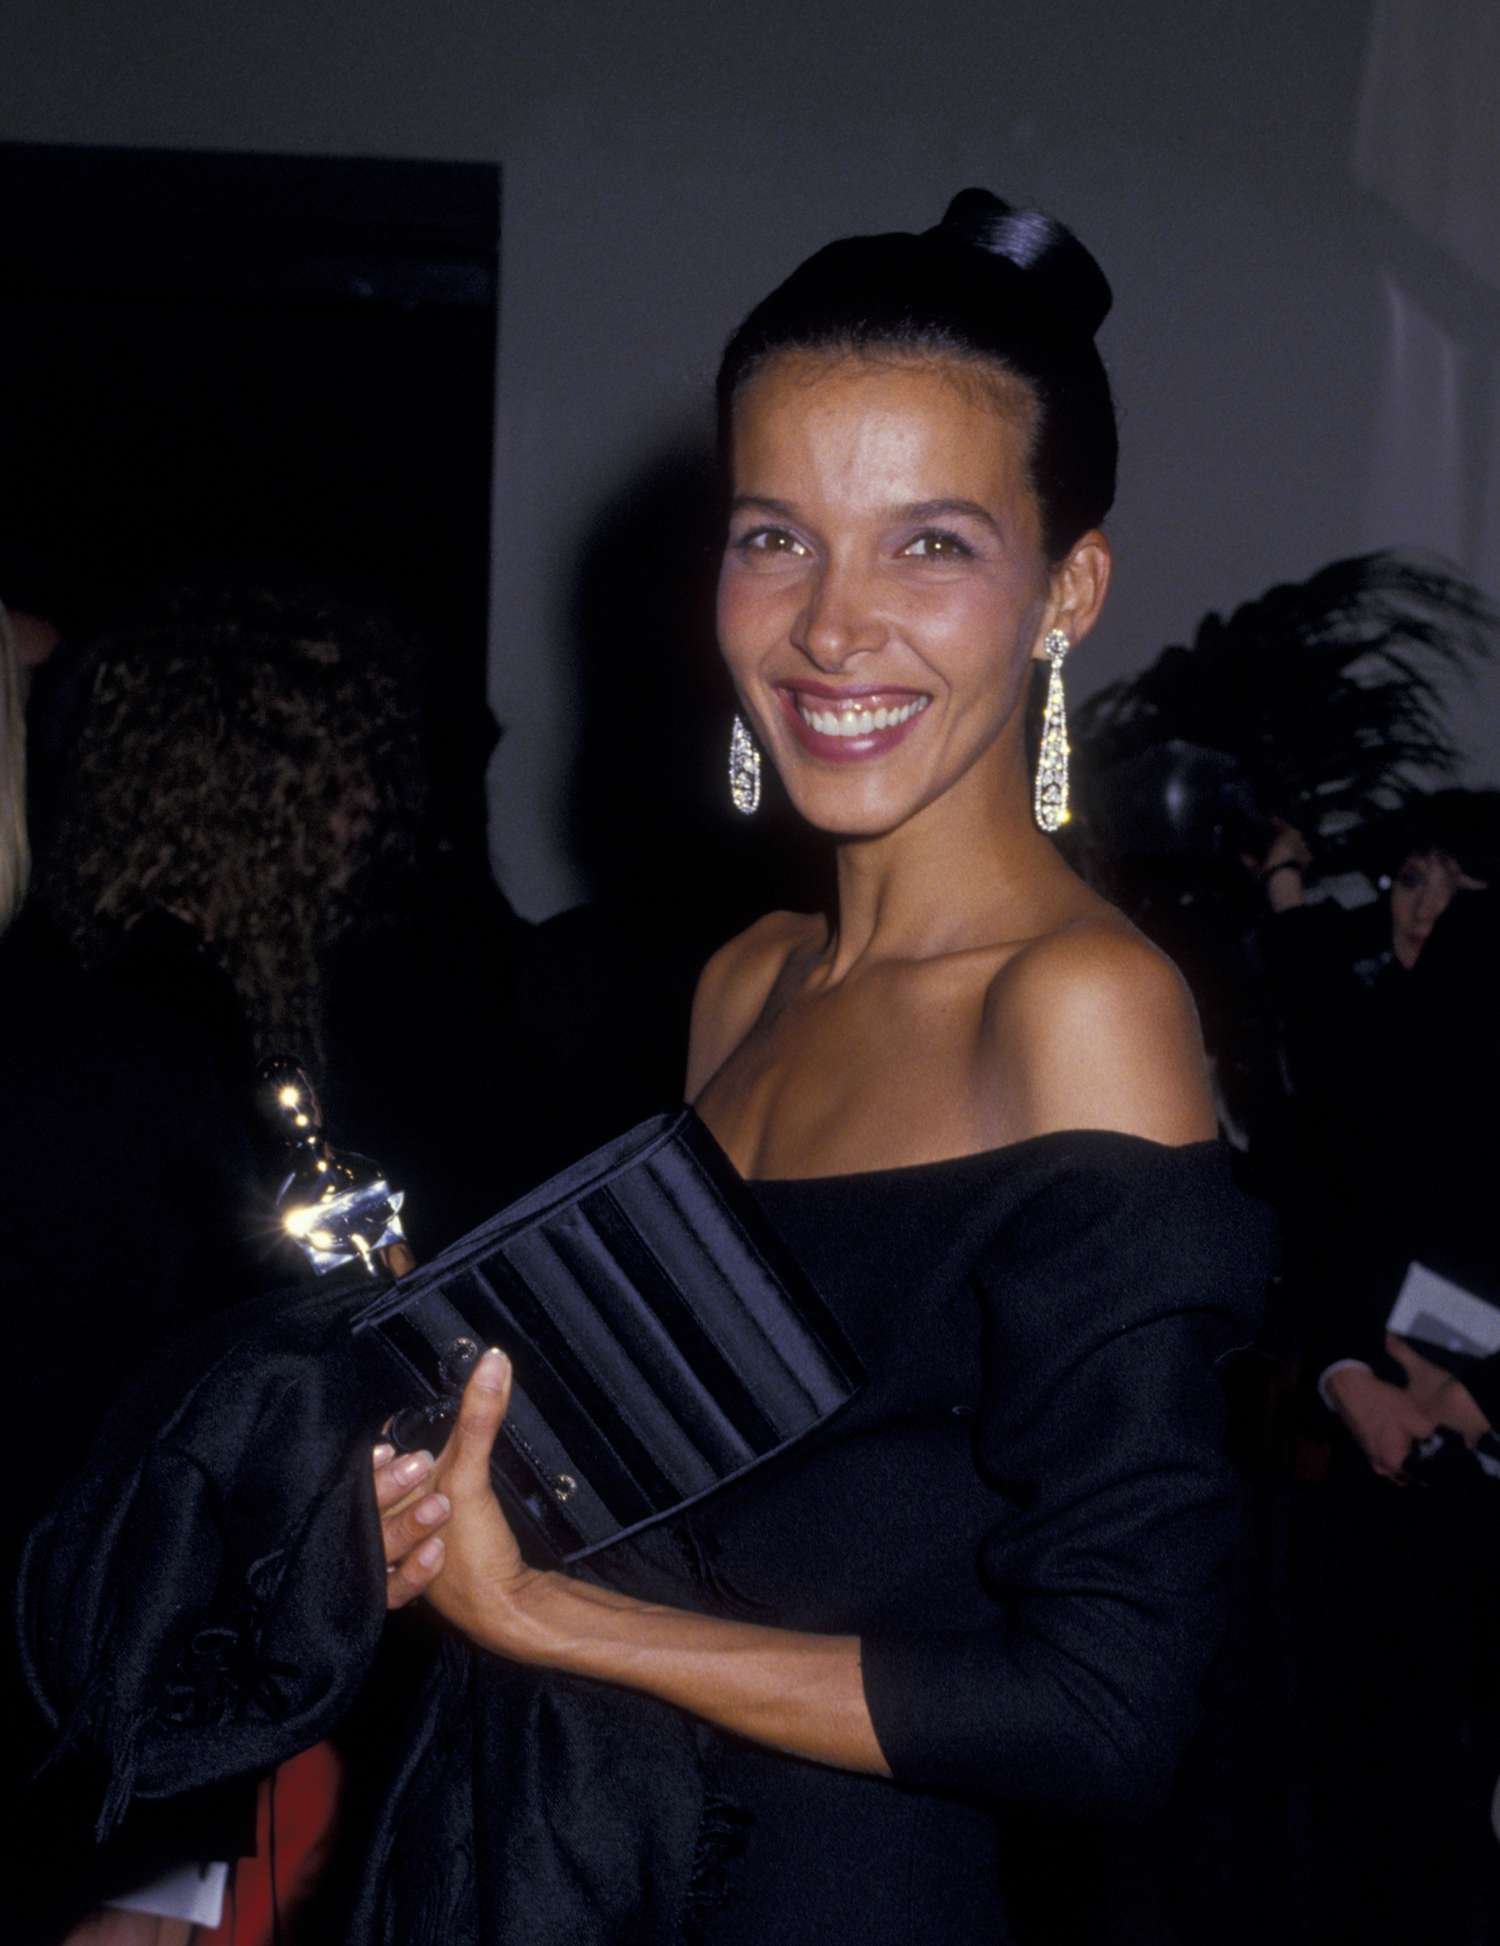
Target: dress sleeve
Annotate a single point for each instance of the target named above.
(1106, 1302)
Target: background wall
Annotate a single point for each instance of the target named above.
(665, 163)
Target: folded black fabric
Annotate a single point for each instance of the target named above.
(207, 1593)
(207, 1598)
(663, 1339)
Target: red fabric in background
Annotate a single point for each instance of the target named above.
(304, 1802)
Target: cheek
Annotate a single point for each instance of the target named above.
(982, 634)
(748, 610)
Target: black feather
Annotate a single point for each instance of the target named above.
(1329, 693)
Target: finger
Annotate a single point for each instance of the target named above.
(481, 1413)
(413, 1576)
(395, 1481)
(382, 1455)
(402, 1532)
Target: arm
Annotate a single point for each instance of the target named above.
(1107, 1304)
(799, 1693)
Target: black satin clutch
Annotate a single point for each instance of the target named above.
(664, 1340)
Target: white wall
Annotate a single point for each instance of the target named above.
(665, 163)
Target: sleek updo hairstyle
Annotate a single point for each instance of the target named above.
(990, 284)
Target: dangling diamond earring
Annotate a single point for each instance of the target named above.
(744, 770)
(1051, 796)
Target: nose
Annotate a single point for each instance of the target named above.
(839, 620)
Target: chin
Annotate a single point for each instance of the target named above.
(849, 809)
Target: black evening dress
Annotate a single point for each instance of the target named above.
(1025, 1515)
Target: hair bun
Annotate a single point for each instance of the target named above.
(1067, 279)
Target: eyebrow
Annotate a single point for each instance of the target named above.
(936, 509)
(742, 502)
(913, 510)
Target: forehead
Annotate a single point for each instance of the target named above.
(1431, 869)
(862, 423)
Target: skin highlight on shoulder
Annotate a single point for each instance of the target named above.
(1092, 1026)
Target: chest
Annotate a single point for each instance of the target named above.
(879, 1073)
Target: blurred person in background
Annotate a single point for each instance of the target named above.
(124, 1168)
(1392, 1047)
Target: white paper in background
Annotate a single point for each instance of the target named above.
(1440, 1312)
(192, 1892)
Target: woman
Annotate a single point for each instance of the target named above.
(974, 1101)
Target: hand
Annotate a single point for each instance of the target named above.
(410, 1515)
(472, 1573)
(1446, 1398)
(1386, 1420)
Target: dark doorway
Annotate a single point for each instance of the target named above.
(267, 368)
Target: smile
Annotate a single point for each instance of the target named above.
(850, 728)
(851, 720)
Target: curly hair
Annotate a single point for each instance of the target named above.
(252, 766)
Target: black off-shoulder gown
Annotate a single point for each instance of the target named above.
(1025, 1517)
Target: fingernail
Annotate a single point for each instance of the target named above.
(383, 1452)
(432, 1511)
(430, 1552)
(489, 1373)
(409, 1470)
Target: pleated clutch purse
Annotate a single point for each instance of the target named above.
(664, 1340)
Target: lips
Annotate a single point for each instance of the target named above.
(851, 726)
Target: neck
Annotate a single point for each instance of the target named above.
(967, 870)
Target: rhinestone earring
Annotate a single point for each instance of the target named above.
(1050, 801)
(744, 770)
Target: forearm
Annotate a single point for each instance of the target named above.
(798, 1693)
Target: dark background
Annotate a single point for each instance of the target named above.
(274, 370)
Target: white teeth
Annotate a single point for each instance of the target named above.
(852, 722)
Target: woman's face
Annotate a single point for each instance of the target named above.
(1421, 893)
(883, 585)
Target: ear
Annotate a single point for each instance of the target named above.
(1079, 584)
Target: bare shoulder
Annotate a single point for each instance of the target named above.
(1092, 1026)
(736, 984)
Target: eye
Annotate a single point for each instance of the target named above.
(937, 544)
(768, 542)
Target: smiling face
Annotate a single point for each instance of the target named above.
(884, 585)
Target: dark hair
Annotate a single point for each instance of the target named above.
(1464, 824)
(989, 283)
